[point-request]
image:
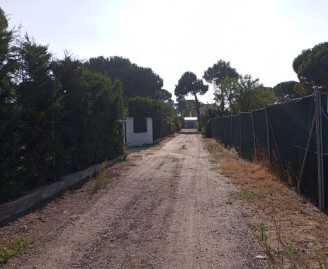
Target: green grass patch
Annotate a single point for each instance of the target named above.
(17, 245)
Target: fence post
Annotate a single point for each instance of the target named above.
(268, 134)
(319, 150)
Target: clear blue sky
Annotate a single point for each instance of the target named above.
(258, 37)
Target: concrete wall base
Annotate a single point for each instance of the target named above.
(22, 205)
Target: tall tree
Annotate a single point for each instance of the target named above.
(189, 84)
(225, 96)
(217, 73)
(38, 85)
(311, 67)
(253, 95)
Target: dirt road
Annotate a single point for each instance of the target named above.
(165, 207)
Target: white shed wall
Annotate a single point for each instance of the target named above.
(138, 139)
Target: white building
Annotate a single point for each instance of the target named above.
(138, 131)
(190, 122)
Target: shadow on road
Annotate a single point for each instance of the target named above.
(140, 148)
(137, 149)
(189, 131)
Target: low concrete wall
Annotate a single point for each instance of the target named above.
(20, 206)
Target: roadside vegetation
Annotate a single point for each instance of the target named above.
(235, 93)
(291, 230)
(59, 116)
(14, 246)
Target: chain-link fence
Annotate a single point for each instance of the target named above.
(292, 136)
(34, 153)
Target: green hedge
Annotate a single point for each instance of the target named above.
(58, 125)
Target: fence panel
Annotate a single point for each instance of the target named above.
(260, 130)
(324, 105)
(293, 136)
(235, 132)
(247, 138)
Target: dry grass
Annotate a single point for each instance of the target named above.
(101, 179)
(161, 143)
(215, 148)
(293, 232)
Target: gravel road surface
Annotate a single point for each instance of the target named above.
(165, 207)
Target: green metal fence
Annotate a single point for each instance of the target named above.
(292, 136)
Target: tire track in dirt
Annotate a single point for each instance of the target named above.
(169, 210)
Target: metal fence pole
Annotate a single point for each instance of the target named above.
(319, 150)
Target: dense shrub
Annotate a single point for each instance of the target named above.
(57, 117)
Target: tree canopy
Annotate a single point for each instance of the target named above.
(285, 91)
(164, 95)
(136, 80)
(216, 76)
(242, 94)
(253, 95)
(311, 67)
(190, 84)
(219, 71)
(8, 66)
(226, 94)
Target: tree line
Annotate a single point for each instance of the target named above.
(235, 93)
(59, 116)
